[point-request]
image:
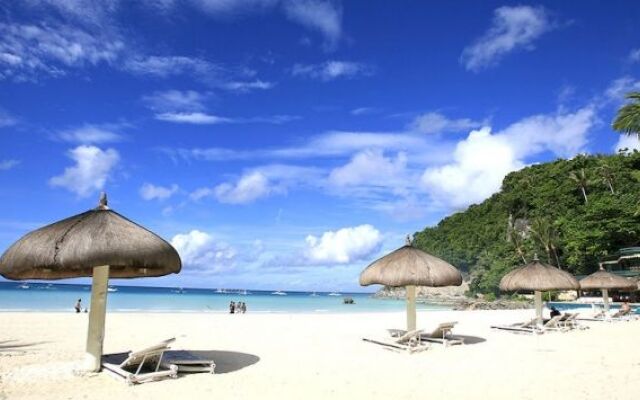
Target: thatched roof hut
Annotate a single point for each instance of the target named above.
(604, 281)
(538, 277)
(409, 266)
(98, 243)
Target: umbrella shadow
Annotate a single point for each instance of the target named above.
(226, 361)
(470, 339)
(15, 347)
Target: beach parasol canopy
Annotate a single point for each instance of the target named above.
(99, 243)
(538, 277)
(409, 266)
(603, 280)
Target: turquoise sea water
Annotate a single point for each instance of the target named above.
(19, 296)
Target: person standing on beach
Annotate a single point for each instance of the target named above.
(78, 306)
(232, 307)
(244, 307)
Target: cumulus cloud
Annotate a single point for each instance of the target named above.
(332, 70)
(90, 134)
(149, 191)
(200, 252)
(247, 189)
(618, 89)
(6, 165)
(435, 122)
(323, 16)
(343, 246)
(370, 168)
(481, 161)
(90, 172)
(512, 28)
(628, 143)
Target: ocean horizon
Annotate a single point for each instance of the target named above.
(61, 297)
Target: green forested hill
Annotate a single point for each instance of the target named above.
(542, 209)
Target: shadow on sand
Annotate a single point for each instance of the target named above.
(14, 347)
(226, 361)
(470, 339)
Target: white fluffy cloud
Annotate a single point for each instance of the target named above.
(371, 168)
(512, 28)
(481, 161)
(247, 189)
(175, 100)
(149, 191)
(90, 172)
(629, 142)
(200, 252)
(332, 70)
(342, 246)
(619, 88)
(90, 134)
(434, 122)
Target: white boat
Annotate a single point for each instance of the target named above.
(243, 292)
(334, 294)
(178, 290)
(24, 286)
(221, 291)
(112, 289)
(314, 294)
(279, 293)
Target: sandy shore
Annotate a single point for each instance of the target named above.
(304, 356)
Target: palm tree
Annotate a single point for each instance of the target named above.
(606, 173)
(547, 234)
(582, 182)
(628, 118)
(516, 238)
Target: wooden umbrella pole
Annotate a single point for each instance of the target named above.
(411, 308)
(605, 299)
(97, 313)
(538, 304)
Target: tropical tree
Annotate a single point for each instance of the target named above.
(547, 235)
(580, 178)
(628, 118)
(607, 174)
(517, 240)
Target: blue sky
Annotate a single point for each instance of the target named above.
(284, 144)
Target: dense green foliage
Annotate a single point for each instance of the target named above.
(628, 118)
(569, 212)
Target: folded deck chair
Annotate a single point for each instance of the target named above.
(554, 324)
(187, 361)
(442, 335)
(521, 327)
(142, 365)
(409, 342)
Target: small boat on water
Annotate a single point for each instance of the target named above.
(24, 286)
(221, 291)
(279, 293)
(178, 291)
(112, 289)
(334, 294)
(243, 292)
(314, 294)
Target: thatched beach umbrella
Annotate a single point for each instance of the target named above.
(410, 267)
(603, 280)
(538, 277)
(99, 243)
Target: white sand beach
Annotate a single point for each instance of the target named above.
(322, 356)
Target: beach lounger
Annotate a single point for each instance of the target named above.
(442, 335)
(521, 327)
(554, 324)
(187, 361)
(142, 365)
(409, 342)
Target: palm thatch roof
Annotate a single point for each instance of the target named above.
(72, 247)
(605, 280)
(537, 276)
(410, 266)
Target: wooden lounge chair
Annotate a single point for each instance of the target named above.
(142, 365)
(521, 327)
(187, 361)
(409, 342)
(442, 335)
(554, 324)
